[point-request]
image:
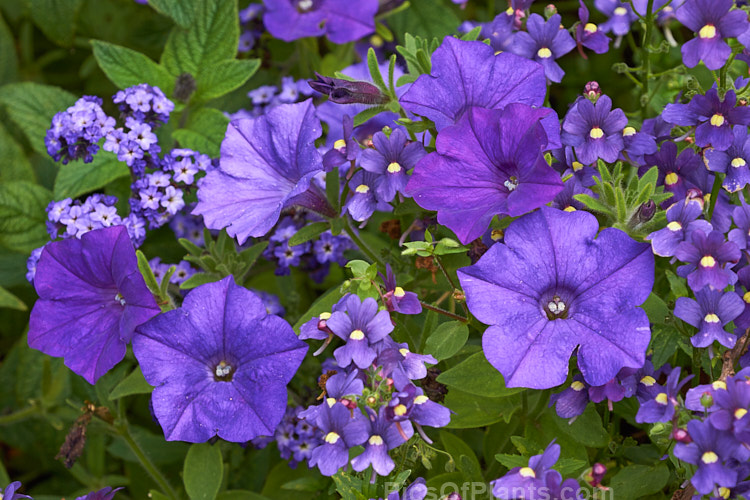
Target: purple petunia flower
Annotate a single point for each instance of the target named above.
(707, 256)
(710, 450)
(588, 34)
(489, 163)
(342, 430)
(682, 220)
(543, 43)
(362, 327)
(91, 298)
(341, 20)
(562, 288)
(391, 158)
(219, 364)
(267, 164)
(713, 21)
(452, 88)
(594, 130)
(733, 162)
(710, 313)
(714, 117)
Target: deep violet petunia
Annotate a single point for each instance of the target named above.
(341, 20)
(562, 288)
(713, 21)
(267, 164)
(219, 364)
(733, 162)
(710, 313)
(594, 130)
(452, 88)
(489, 163)
(91, 298)
(544, 42)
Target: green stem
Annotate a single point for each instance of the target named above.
(443, 312)
(146, 462)
(19, 416)
(362, 245)
(645, 47)
(714, 195)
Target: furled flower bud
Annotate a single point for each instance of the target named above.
(592, 91)
(348, 92)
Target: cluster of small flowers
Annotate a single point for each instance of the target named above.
(182, 271)
(144, 103)
(188, 226)
(314, 257)
(267, 97)
(72, 218)
(369, 395)
(294, 436)
(251, 24)
(75, 132)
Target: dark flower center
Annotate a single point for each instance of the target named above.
(223, 372)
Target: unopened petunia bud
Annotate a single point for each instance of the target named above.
(646, 211)
(348, 92)
(592, 91)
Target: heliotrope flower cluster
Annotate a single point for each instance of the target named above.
(251, 24)
(76, 132)
(267, 97)
(144, 103)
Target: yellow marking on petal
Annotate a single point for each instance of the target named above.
(719, 384)
(569, 209)
(708, 261)
(577, 386)
(739, 413)
(510, 11)
(724, 492)
(419, 400)
(671, 179)
(362, 188)
(596, 133)
(375, 440)
(357, 335)
(628, 131)
(674, 226)
(394, 168)
(661, 398)
(376, 41)
(590, 28)
(746, 297)
(340, 144)
(738, 162)
(711, 318)
(544, 53)
(330, 402)
(398, 292)
(527, 472)
(399, 410)
(497, 234)
(708, 31)
(404, 351)
(620, 11)
(332, 438)
(577, 165)
(709, 457)
(324, 315)
(648, 381)
(717, 120)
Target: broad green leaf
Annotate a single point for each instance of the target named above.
(77, 178)
(8, 56)
(199, 279)
(656, 309)
(56, 19)
(132, 384)
(220, 78)
(181, 11)
(476, 411)
(211, 37)
(665, 340)
(310, 483)
(587, 429)
(31, 106)
(204, 131)
(126, 67)
(240, 495)
(23, 215)
(14, 166)
(308, 232)
(10, 301)
(447, 340)
(203, 471)
(475, 375)
(425, 18)
(638, 481)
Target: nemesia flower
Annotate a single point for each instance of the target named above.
(707, 256)
(713, 21)
(415, 491)
(219, 364)
(682, 220)
(489, 163)
(594, 130)
(620, 15)
(362, 327)
(91, 298)
(588, 34)
(411, 404)
(714, 117)
(499, 32)
(572, 401)
(710, 313)
(364, 199)
(732, 406)
(563, 288)
(543, 43)
(662, 407)
(10, 492)
(742, 289)
(383, 437)
(676, 172)
(267, 164)
(396, 299)
(391, 158)
(341, 20)
(710, 450)
(341, 430)
(104, 494)
(733, 162)
(637, 144)
(402, 365)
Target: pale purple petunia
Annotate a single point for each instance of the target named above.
(267, 164)
(562, 288)
(91, 298)
(341, 20)
(489, 163)
(220, 365)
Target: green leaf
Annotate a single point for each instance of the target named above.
(181, 11)
(510, 461)
(676, 285)
(147, 272)
(474, 411)
(240, 495)
(8, 57)
(592, 203)
(23, 215)
(447, 340)
(664, 342)
(374, 67)
(476, 376)
(77, 178)
(366, 114)
(157, 495)
(204, 131)
(10, 301)
(426, 18)
(31, 106)
(132, 384)
(212, 36)
(638, 481)
(587, 429)
(324, 303)
(56, 19)
(14, 166)
(126, 67)
(250, 255)
(308, 232)
(223, 77)
(310, 484)
(203, 471)
(656, 309)
(199, 279)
